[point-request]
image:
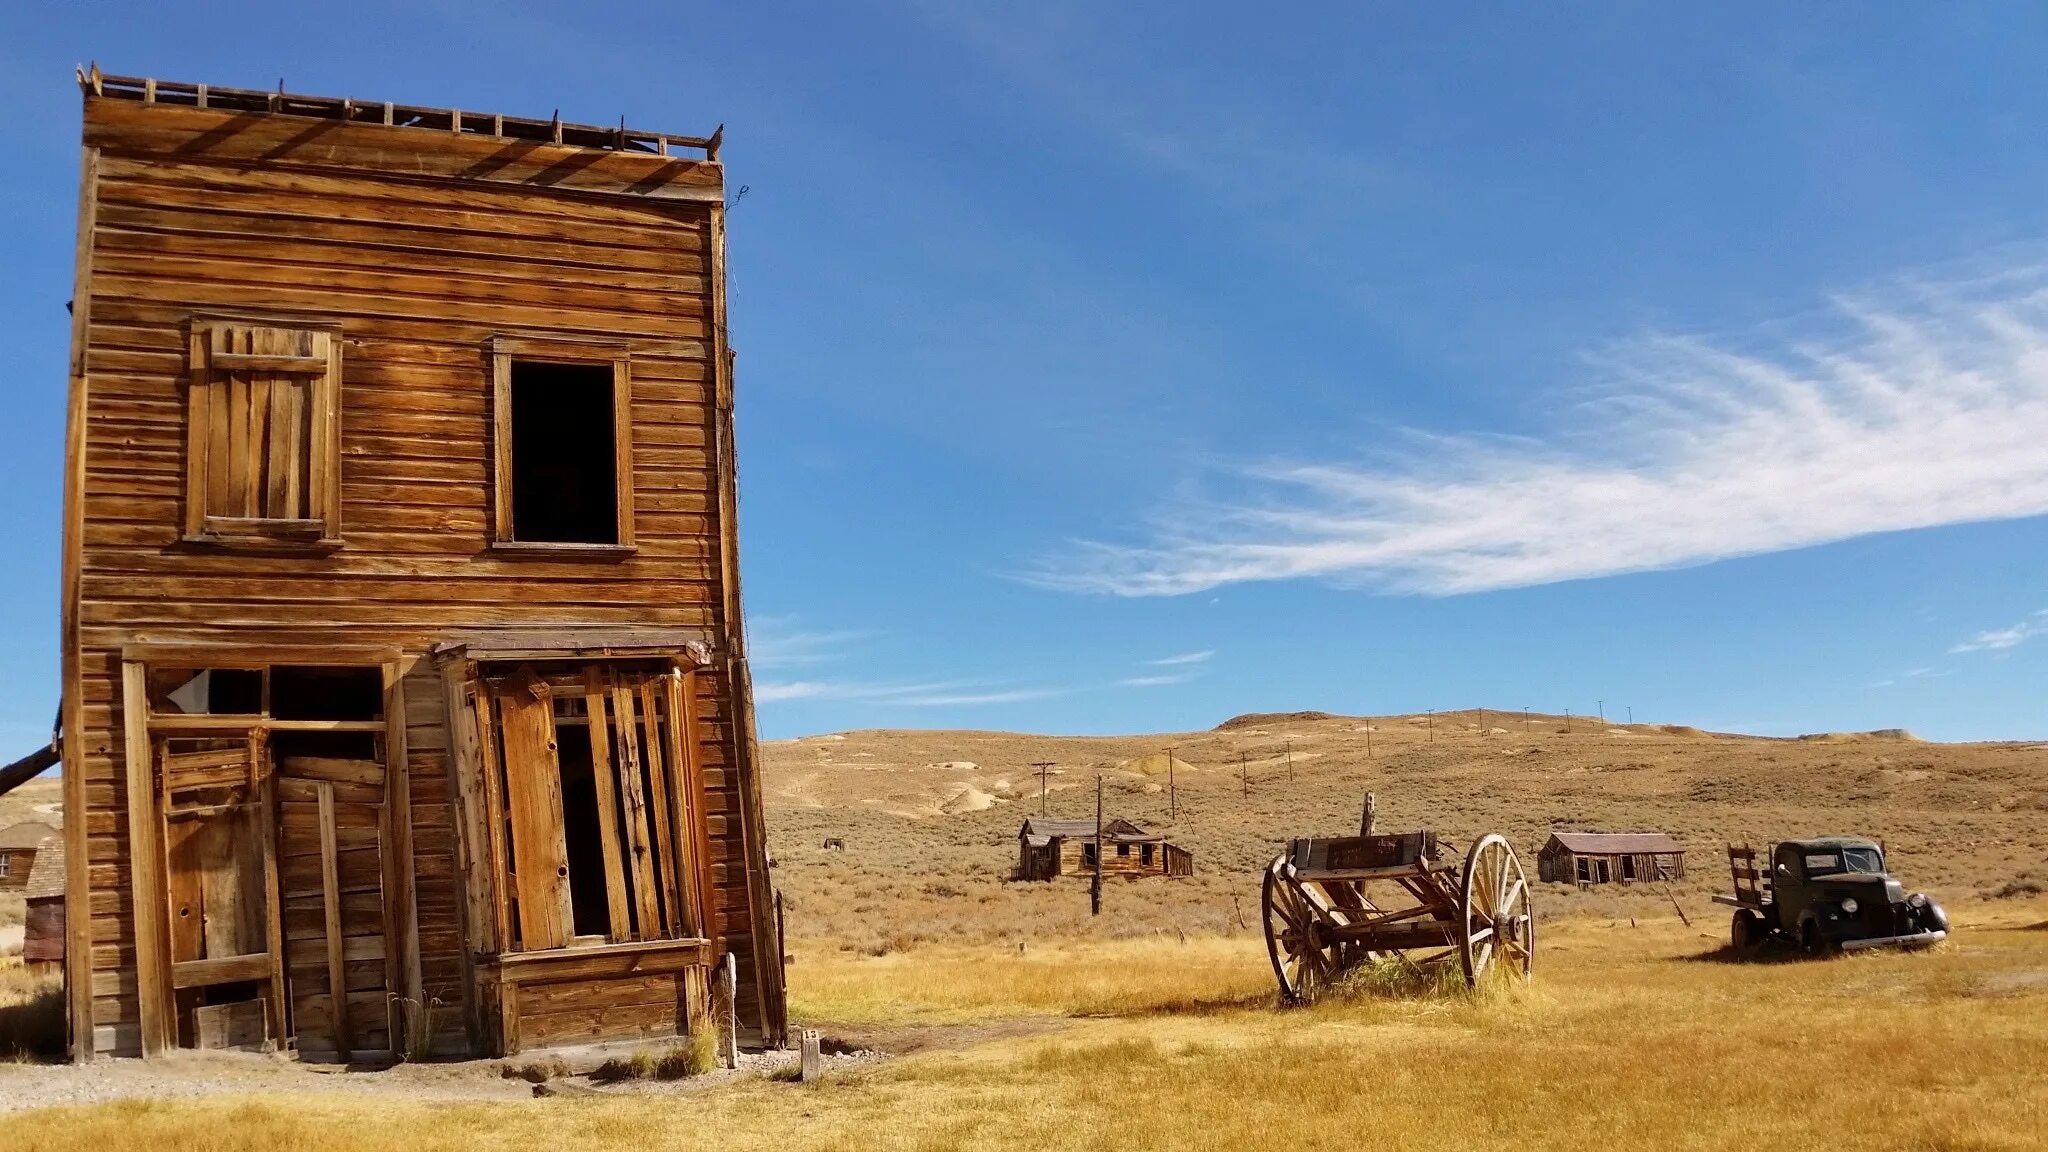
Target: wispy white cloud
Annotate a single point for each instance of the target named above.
(1156, 681)
(781, 642)
(950, 699)
(1999, 639)
(1184, 658)
(1915, 406)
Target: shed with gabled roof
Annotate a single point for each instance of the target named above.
(1049, 848)
(18, 845)
(1586, 858)
(43, 937)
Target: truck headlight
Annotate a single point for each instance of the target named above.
(1917, 900)
(1849, 906)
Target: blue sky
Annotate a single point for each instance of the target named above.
(1122, 368)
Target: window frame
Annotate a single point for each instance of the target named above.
(203, 526)
(502, 352)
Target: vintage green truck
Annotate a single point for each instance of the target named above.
(1826, 894)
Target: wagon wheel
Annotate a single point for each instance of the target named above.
(1495, 910)
(1303, 961)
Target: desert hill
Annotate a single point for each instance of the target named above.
(929, 818)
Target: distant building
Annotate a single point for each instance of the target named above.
(1047, 849)
(1610, 857)
(43, 938)
(18, 851)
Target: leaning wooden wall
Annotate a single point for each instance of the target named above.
(243, 214)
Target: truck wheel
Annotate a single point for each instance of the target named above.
(1811, 942)
(1746, 932)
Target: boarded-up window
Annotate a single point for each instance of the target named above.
(595, 801)
(263, 436)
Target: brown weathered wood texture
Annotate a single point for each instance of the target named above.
(413, 249)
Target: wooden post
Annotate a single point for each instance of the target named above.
(729, 981)
(1172, 790)
(1043, 766)
(809, 1060)
(1095, 882)
(1368, 739)
(1290, 761)
(1365, 818)
(1244, 772)
(1432, 725)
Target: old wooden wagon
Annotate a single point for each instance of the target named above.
(406, 704)
(1332, 904)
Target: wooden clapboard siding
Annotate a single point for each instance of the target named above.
(414, 248)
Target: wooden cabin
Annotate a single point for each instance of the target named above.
(1587, 858)
(42, 940)
(406, 702)
(18, 846)
(1048, 849)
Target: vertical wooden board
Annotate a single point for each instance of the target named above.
(617, 909)
(281, 453)
(241, 494)
(693, 743)
(184, 878)
(465, 790)
(660, 811)
(533, 800)
(646, 905)
(683, 806)
(326, 434)
(330, 902)
(622, 432)
(198, 393)
(148, 895)
(78, 953)
(501, 446)
(219, 429)
(493, 764)
(401, 919)
(280, 1001)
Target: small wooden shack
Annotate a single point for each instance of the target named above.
(1610, 857)
(406, 702)
(1047, 849)
(43, 938)
(18, 847)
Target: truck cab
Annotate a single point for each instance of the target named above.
(1827, 893)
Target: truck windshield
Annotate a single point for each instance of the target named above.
(1846, 860)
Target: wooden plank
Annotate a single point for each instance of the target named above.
(622, 451)
(146, 875)
(401, 916)
(494, 809)
(619, 913)
(335, 771)
(661, 821)
(692, 831)
(501, 447)
(198, 422)
(646, 905)
(221, 970)
(330, 894)
(242, 1024)
(533, 801)
(323, 474)
(78, 809)
(270, 364)
(473, 881)
(274, 917)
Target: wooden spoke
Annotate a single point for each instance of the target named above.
(1303, 962)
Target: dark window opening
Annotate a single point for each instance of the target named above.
(206, 691)
(1123, 849)
(564, 455)
(325, 745)
(589, 914)
(1145, 855)
(1088, 854)
(326, 693)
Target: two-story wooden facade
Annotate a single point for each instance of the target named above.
(406, 704)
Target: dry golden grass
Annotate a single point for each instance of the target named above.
(1633, 1038)
(31, 1012)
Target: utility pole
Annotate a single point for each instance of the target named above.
(1432, 725)
(1172, 792)
(1602, 706)
(1042, 766)
(1095, 883)
(1567, 719)
(1631, 714)
(1244, 772)
(1482, 723)
(1368, 739)
(1290, 761)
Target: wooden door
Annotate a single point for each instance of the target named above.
(221, 883)
(330, 830)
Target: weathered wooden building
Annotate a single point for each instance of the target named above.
(1047, 849)
(18, 845)
(1610, 857)
(42, 937)
(405, 689)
